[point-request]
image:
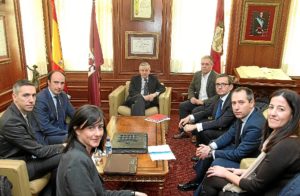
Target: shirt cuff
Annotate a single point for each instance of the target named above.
(199, 127)
(213, 154)
(157, 93)
(192, 118)
(213, 145)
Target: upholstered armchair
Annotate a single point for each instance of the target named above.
(119, 95)
(16, 172)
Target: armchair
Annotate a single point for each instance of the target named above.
(118, 96)
(16, 172)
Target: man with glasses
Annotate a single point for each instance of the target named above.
(219, 112)
(201, 88)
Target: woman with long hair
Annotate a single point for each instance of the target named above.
(279, 160)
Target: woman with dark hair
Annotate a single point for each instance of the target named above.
(279, 160)
(77, 173)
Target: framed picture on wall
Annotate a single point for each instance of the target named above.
(259, 22)
(142, 10)
(141, 45)
(4, 54)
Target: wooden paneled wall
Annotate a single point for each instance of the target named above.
(12, 67)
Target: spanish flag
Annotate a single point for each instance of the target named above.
(95, 60)
(57, 59)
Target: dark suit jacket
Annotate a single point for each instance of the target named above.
(46, 112)
(195, 85)
(153, 85)
(17, 139)
(77, 175)
(249, 140)
(223, 122)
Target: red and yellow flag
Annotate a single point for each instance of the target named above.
(95, 60)
(217, 44)
(57, 59)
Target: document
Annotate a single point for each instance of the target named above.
(157, 118)
(255, 72)
(160, 152)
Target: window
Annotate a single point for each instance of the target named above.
(192, 33)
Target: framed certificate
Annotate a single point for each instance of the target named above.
(4, 54)
(141, 45)
(142, 10)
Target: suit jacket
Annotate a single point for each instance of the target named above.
(153, 86)
(223, 122)
(77, 175)
(249, 140)
(46, 112)
(17, 138)
(195, 85)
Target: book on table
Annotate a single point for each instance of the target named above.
(129, 143)
(157, 118)
(122, 164)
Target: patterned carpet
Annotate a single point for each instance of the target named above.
(180, 170)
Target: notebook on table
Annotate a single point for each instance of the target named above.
(129, 143)
(123, 164)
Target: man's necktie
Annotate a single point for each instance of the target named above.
(58, 106)
(146, 90)
(238, 132)
(219, 109)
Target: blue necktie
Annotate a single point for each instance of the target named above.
(219, 109)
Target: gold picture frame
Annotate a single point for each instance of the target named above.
(259, 22)
(142, 10)
(4, 50)
(141, 45)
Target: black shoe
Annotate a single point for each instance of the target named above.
(195, 158)
(181, 135)
(190, 186)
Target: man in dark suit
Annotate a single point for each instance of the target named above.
(52, 108)
(17, 139)
(240, 141)
(201, 88)
(219, 111)
(144, 90)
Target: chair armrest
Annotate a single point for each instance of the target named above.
(246, 162)
(164, 101)
(116, 98)
(16, 172)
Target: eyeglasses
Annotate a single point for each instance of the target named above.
(221, 85)
(205, 64)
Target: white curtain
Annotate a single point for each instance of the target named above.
(34, 38)
(74, 18)
(192, 32)
(290, 62)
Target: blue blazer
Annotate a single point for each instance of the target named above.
(46, 113)
(249, 140)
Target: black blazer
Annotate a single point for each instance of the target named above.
(153, 85)
(223, 122)
(17, 139)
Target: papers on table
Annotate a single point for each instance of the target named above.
(160, 152)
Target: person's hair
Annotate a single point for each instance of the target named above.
(229, 78)
(292, 126)
(20, 83)
(209, 58)
(248, 91)
(85, 116)
(49, 76)
(144, 64)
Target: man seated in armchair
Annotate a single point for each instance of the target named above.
(144, 90)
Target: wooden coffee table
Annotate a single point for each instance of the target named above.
(147, 170)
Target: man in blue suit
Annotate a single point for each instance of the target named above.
(52, 107)
(240, 141)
